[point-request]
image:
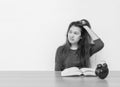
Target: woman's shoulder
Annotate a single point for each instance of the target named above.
(60, 48)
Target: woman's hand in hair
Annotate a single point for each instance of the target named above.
(86, 27)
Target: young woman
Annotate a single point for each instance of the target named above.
(81, 43)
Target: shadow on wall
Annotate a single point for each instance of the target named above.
(96, 59)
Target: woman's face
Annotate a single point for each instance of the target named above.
(74, 34)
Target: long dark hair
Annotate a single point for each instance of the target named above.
(83, 45)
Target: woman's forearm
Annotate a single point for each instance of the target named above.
(91, 33)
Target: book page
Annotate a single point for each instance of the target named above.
(88, 71)
(73, 71)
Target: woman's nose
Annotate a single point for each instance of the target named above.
(72, 36)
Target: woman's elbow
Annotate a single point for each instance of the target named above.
(101, 45)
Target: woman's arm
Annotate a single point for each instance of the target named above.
(97, 46)
(58, 60)
(91, 33)
(97, 42)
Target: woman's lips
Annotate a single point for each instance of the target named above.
(71, 39)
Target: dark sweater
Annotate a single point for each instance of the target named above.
(71, 59)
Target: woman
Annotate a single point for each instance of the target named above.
(81, 43)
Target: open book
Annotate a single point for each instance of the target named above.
(75, 71)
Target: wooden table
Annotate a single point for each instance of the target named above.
(53, 79)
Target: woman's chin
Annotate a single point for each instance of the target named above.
(72, 42)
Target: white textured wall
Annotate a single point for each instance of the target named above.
(31, 30)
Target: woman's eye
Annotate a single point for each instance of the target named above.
(76, 33)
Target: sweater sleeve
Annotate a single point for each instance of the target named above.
(97, 46)
(58, 60)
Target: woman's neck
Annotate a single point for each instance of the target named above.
(74, 47)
